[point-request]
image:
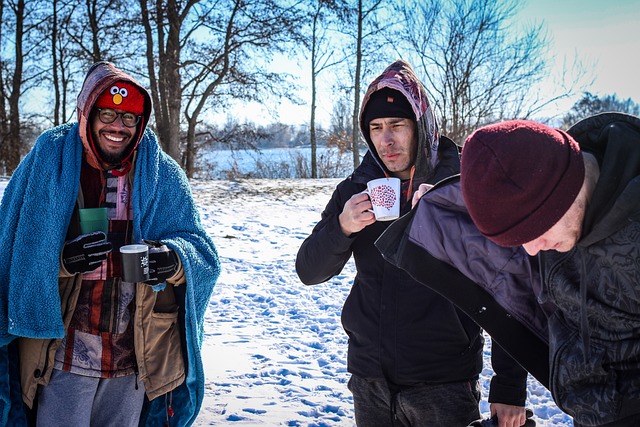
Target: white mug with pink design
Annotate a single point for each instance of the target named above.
(385, 198)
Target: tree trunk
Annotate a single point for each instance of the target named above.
(13, 144)
(355, 133)
(65, 80)
(173, 81)
(54, 61)
(158, 110)
(4, 129)
(92, 13)
(190, 153)
(312, 121)
(165, 86)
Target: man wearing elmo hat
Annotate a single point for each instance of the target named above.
(111, 146)
(94, 348)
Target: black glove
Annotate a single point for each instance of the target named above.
(163, 262)
(85, 253)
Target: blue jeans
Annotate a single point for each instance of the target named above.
(76, 400)
(423, 405)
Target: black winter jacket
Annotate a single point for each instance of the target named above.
(587, 351)
(398, 329)
(594, 334)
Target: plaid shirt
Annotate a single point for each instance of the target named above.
(99, 340)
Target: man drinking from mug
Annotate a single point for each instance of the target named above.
(414, 358)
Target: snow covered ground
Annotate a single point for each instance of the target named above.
(274, 349)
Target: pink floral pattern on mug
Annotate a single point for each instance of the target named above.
(383, 195)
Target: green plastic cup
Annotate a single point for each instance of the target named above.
(93, 219)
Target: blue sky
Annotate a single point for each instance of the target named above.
(604, 34)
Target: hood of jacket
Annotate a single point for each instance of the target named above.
(614, 139)
(99, 78)
(401, 77)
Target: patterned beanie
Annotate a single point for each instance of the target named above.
(519, 178)
(122, 96)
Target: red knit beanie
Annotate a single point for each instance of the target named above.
(519, 178)
(122, 96)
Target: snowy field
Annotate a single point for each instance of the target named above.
(274, 349)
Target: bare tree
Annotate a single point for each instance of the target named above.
(322, 57)
(341, 117)
(476, 67)
(61, 58)
(231, 63)
(54, 52)
(69, 55)
(355, 136)
(232, 135)
(369, 51)
(63, 78)
(198, 51)
(4, 119)
(591, 104)
(162, 27)
(339, 133)
(11, 146)
(80, 33)
(99, 30)
(54, 59)
(48, 42)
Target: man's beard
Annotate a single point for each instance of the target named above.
(113, 159)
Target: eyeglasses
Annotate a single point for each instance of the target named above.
(107, 116)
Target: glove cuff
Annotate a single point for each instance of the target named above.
(63, 270)
(178, 278)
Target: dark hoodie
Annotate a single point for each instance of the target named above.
(593, 337)
(100, 77)
(590, 355)
(399, 330)
(401, 77)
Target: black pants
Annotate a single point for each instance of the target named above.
(426, 405)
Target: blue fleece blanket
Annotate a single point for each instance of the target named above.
(36, 210)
